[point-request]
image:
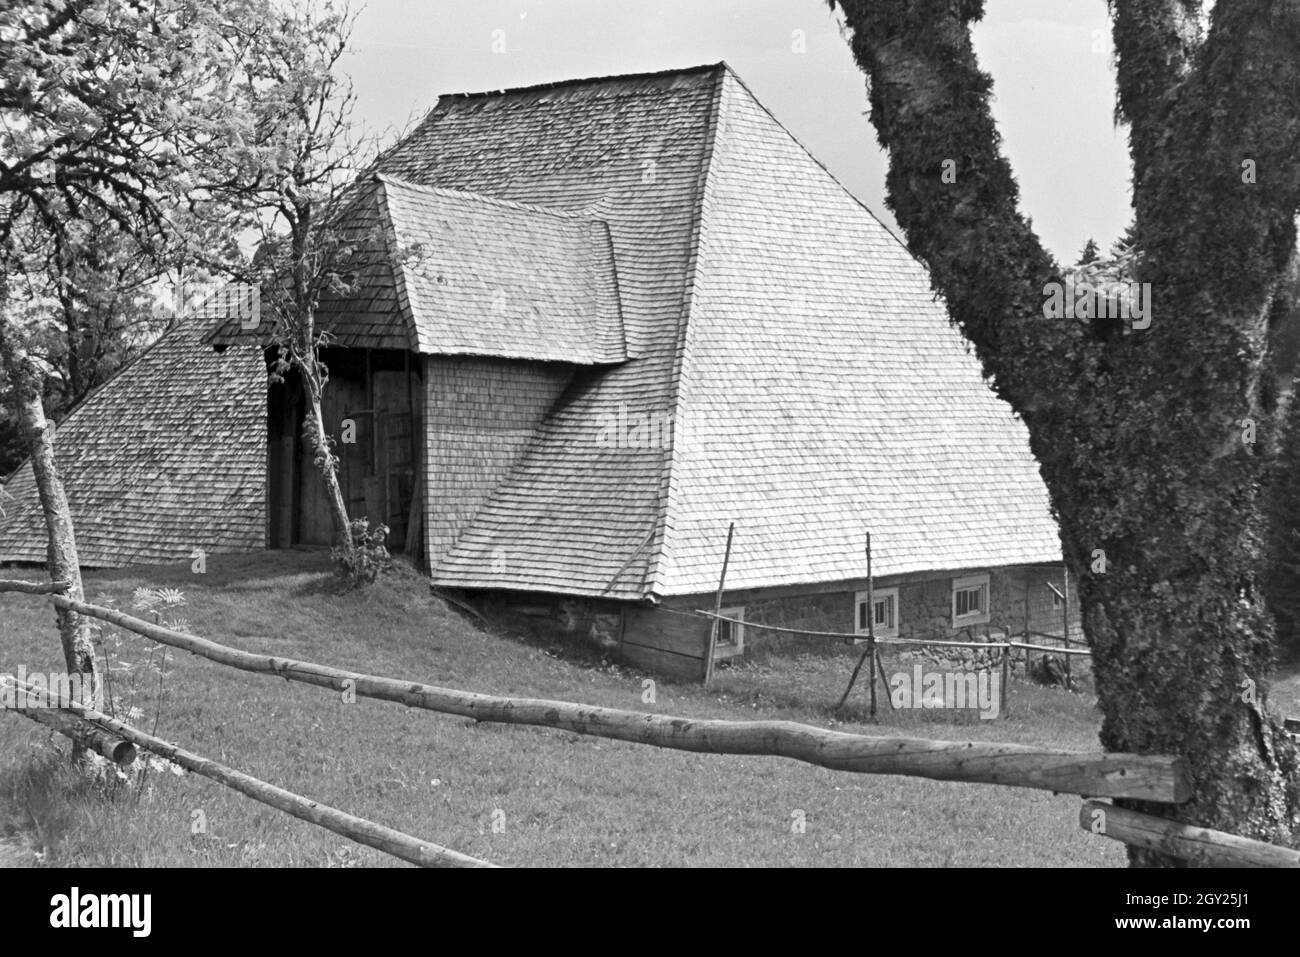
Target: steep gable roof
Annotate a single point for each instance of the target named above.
(815, 388)
(824, 393)
(578, 514)
(166, 457)
(759, 348)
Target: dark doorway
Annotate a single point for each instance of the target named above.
(369, 406)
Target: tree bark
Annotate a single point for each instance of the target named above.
(305, 353)
(323, 456)
(61, 550)
(1140, 434)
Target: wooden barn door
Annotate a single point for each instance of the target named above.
(369, 399)
(397, 468)
(381, 466)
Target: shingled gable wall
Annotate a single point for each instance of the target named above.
(574, 513)
(480, 415)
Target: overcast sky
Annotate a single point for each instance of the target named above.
(1050, 60)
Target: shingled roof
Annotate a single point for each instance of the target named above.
(666, 235)
(446, 272)
(167, 457)
(815, 387)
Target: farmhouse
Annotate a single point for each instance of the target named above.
(535, 266)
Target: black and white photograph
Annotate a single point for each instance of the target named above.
(699, 434)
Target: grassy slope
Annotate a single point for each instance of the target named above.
(567, 799)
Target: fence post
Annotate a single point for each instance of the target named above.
(1028, 618)
(717, 610)
(884, 682)
(871, 640)
(1069, 679)
(1006, 676)
(871, 654)
(871, 626)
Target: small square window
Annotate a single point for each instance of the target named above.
(970, 600)
(881, 610)
(731, 634)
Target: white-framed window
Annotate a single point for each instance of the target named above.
(1056, 600)
(882, 612)
(731, 634)
(970, 600)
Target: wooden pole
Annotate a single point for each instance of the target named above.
(717, 609)
(1199, 845)
(854, 677)
(871, 627)
(1053, 650)
(871, 669)
(884, 682)
(1069, 679)
(1027, 621)
(353, 828)
(1140, 776)
(1006, 679)
(871, 642)
(81, 732)
(34, 588)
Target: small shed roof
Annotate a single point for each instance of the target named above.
(448, 272)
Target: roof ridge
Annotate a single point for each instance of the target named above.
(582, 81)
(387, 179)
(655, 560)
(811, 155)
(406, 294)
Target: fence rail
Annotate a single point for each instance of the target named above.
(77, 719)
(988, 645)
(1200, 845)
(80, 731)
(33, 588)
(1148, 777)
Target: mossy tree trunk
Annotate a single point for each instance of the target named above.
(1153, 442)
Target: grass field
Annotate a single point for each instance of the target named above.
(566, 799)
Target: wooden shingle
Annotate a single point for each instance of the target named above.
(167, 457)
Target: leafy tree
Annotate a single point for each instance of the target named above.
(1153, 442)
(111, 112)
(296, 168)
(92, 308)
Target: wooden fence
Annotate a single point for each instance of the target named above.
(1149, 778)
(87, 726)
(871, 658)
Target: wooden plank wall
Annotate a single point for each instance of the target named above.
(665, 642)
